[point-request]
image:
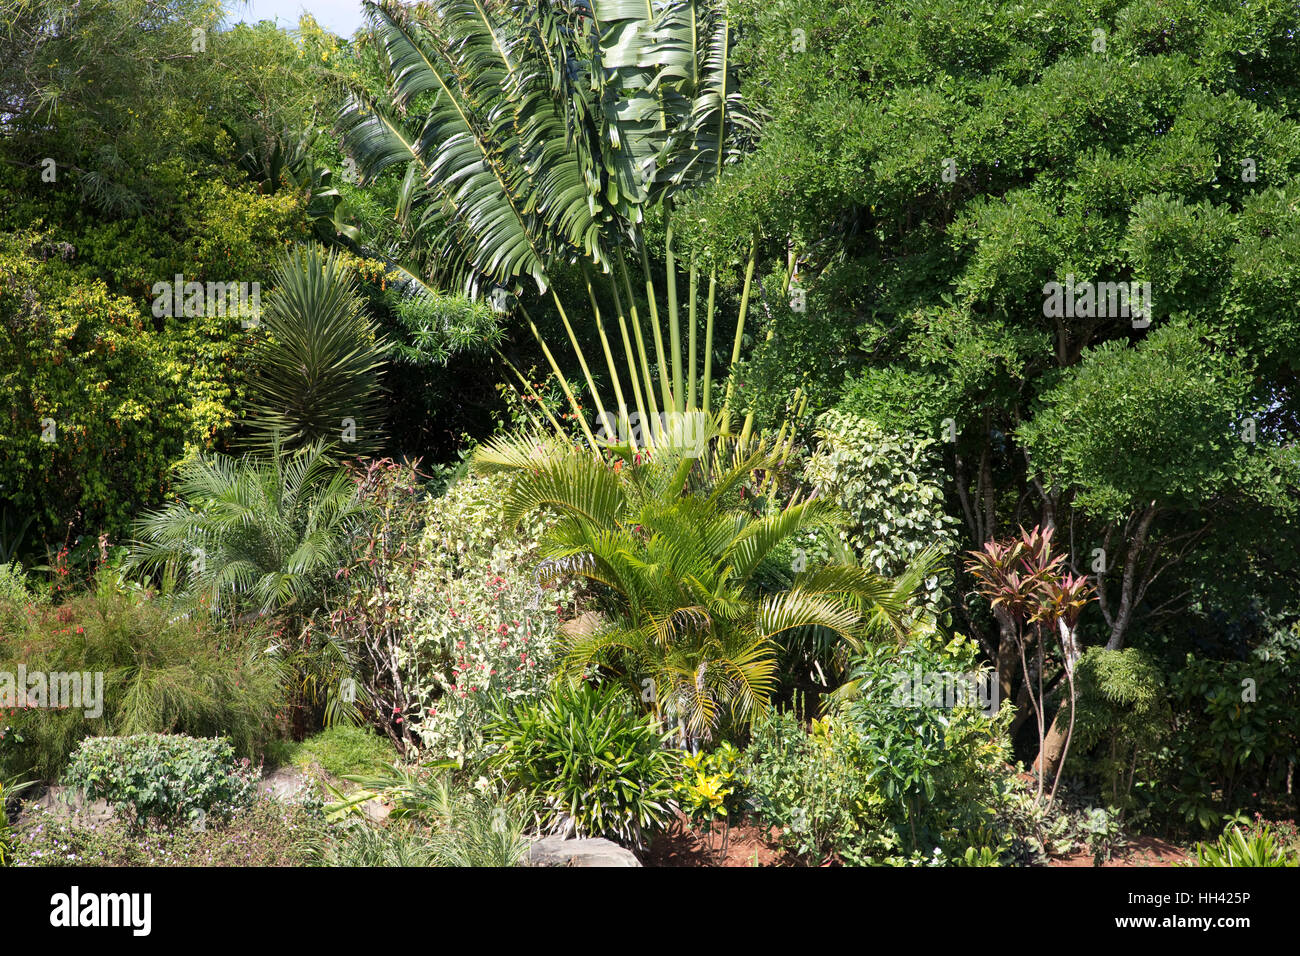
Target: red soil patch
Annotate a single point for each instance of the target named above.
(1140, 851)
(684, 844)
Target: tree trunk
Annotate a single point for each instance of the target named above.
(1049, 758)
(1129, 579)
(1008, 656)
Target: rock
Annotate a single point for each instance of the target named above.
(286, 785)
(289, 785)
(66, 804)
(557, 851)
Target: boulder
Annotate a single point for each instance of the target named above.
(557, 851)
(68, 805)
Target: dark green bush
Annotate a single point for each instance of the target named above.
(1121, 715)
(165, 778)
(1235, 735)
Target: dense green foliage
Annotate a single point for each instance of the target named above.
(161, 778)
(873, 422)
(677, 546)
(318, 371)
(1109, 144)
(161, 672)
(262, 533)
(1123, 713)
(593, 761)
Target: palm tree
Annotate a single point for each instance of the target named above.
(317, 375)
(676, 545)
(536, 136)
(255, 535)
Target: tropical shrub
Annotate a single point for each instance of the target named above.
(891, 489)
(17, 600)
(589, 757)
(1123, 713)
(477, 621)
(1239, 848)
(932, 737)
(357, 843)
(165, 778)
(710, 791)
(683, 622)
(1236, 732)
(813, 788)
(163, 672)
(369, 616)
(258, 534)
(1033, 594)
(1031, 831)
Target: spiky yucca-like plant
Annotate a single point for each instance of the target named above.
(676, 546)
(317, 376)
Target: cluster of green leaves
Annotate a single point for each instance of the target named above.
(263, 533)
(1031, 831)
(675, 544)
(891, 489)
(102, 403)
(114, 91)
(941, 766)
(594, 762)
(163, 672)
(1122, 713)
(1239, 848)
(1179, 380)
(1113, 144)
(436, 821)
(317, 371)
(163, 778)
(889, 777)
(815, 790)
(1236, 731)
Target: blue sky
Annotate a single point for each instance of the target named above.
(337, 16)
